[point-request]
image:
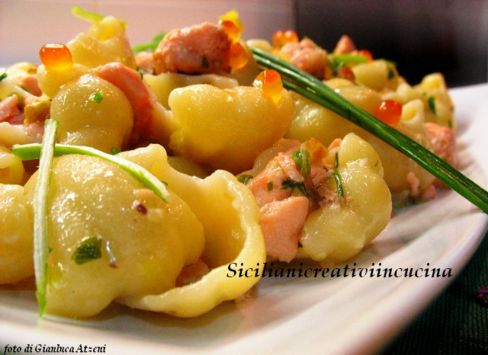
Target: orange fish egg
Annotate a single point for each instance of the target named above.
(232, 25)
(270, 82)
(389, 111)
(238, 56)
(280, 38)
(56, 56)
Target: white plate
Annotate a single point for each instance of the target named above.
(332, 315)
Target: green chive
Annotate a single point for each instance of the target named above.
(151, 46)
(3, 76)
(244, 178)
(337, 177)
(301, 156)
(295, 186)
(96, 97)
(32, 151)
(89, 250)
(40, 207)
(313, 89)
(431, 103)
(86, 15)
(115, 150)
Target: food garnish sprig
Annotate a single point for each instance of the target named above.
(41, 230)
(313, 89)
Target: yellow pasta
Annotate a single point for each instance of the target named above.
(226, 128)
(94, 205)
(16, 262)
(93, 112)
(11, 168)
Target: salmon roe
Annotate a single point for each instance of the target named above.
(389, 111)
(232, 25)
(270, 82)
(238, 56)
(56, 56)
(280, 38)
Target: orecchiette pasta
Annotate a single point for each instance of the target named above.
(226, 128)
(104, 122)
(15, 235)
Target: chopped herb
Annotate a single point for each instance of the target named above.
(89, 250)
(204, 62)
(140, 71)
(431, 103)
(337, 61)
(301, 156)
(449, 123)
(3, 76)
(391, 67)
(337, 177)
(115, 150)
(270, 186)
(96, 97)
(151, 46)
(295, 186)
(244, 178)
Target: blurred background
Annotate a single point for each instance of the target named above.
(421, 36)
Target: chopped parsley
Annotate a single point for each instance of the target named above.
(89, 250)
(3, 76)
(391, 67)
(301, 156)
(96, 97)
(204, 62)
(431, 103)
(295, 186)
(115, 150)
(337, 61)
(244, 178)
(270, 186)
(337, 177)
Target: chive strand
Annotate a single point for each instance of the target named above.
(41, 222)
(32, 151)
(312, 88)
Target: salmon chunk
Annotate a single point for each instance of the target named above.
(442, 141)
(307, 56)
(344, 45)
(197, 49)
(282, 222)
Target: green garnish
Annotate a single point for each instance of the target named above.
(391, 67)
(96, 97)
(89, 250)
(244, 178)
(270, 186)
(295, 186)
(338, 61)
(151, 46)
(32, 151)
(115, 150)
(40, 207)
(86, 15)
(301, 156)
(313, 89)
(431, 103)
(3, 76)
(337, 177)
